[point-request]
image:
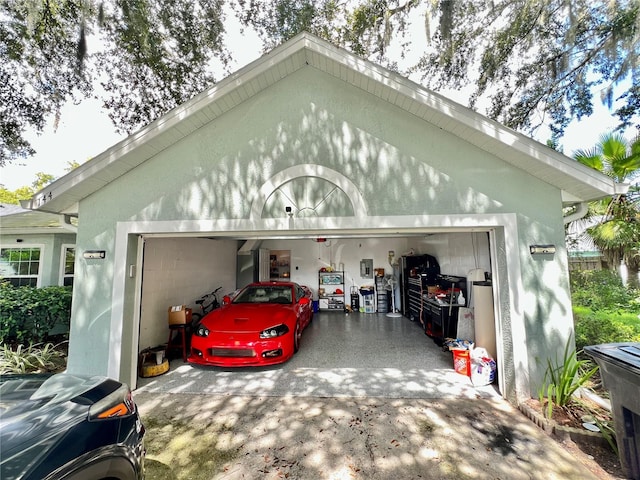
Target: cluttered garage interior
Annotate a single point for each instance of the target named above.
(440, 281)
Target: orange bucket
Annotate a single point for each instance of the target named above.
(461, 361)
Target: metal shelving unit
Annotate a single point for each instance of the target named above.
(328, 283)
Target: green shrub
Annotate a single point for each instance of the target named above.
(594, 328)
(28, 315)
(604, 310)
(603, 290)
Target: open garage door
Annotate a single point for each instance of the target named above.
(179, 269)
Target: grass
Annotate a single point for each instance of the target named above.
(181, 450)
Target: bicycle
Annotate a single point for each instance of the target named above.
(206, 303)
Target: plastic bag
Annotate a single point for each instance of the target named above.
(483, 367)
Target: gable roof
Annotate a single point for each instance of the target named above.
(577, 182)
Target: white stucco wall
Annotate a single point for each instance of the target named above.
(177, 271)
(308, 257)
(457, 253)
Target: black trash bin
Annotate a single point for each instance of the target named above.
(355, 302)
(620, 370)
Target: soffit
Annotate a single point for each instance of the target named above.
(17, 220)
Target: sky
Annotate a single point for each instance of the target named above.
(85, 130)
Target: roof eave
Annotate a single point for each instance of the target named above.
(38, 230)
(576, 181)
(59, 195)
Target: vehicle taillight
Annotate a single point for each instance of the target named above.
(118, 403)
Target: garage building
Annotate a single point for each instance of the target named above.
(313, 151)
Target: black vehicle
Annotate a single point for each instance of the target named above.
(69, 427)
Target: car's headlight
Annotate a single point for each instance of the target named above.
(276, 331)
(202, 331)
(118, 403)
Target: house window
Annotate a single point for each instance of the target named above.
(20, 266)
(67, 265)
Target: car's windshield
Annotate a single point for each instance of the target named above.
(265, 294)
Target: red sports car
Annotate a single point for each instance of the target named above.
(261, 325)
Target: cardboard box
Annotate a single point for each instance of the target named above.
(179, 315)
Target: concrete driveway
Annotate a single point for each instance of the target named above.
(367, 397)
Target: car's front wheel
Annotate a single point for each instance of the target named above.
(296, 338)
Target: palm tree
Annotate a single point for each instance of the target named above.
(615, 221)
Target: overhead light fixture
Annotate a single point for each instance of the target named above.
(542, 249)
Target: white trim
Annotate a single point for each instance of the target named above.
(137, 306)
(34, 230)
(63, 261)
(309, 227)
(341, 226)
(42, 248)
(308, 170)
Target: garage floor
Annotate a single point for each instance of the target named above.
(341, 355)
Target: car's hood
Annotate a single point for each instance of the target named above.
(35, 412)
(248, 317)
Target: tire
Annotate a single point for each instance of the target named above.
(296, 338)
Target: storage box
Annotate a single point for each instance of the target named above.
(461, 361)
(179, 315)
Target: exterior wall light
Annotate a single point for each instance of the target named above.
(542, 249)
(94, 254)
